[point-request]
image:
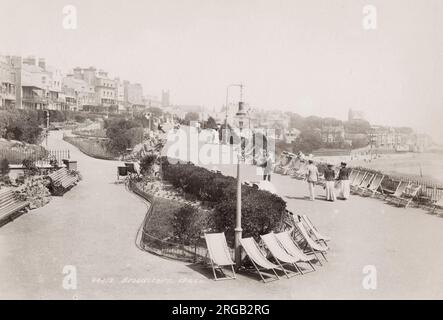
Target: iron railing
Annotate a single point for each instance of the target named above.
(165, 248)
(40, 156)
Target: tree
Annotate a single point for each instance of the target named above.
(123, 134)
(211, 124)
(191, 116)
(308, 141)
(357, 126)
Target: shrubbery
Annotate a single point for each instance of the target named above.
(123, 134)
(22, 125)
(188, 224)
(262, 211)
(146, 164)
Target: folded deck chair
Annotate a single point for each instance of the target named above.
(401, 187)
(280, 255)
(312, 246)
(437, 205)
(219, 254)
(286, 241)
(364, 184)
(257, 258)
(358, 179)
(353, 174)
(314, 231)
(374, 186)
(408, 195)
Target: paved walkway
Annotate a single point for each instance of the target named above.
(93, 227)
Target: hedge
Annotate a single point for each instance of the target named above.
(262, 211)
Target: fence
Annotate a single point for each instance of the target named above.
(39, 156)
(164, 248)
(430, 191)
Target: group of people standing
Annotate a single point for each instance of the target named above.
(343, 186)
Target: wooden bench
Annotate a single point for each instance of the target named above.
(10, 206)
(61, 181)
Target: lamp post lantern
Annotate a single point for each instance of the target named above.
(227, 102)
(238, 230)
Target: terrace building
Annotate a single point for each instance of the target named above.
(332, 134)
(7, 84)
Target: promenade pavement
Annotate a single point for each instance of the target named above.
(93, 228)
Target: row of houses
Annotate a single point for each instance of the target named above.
(29, 83)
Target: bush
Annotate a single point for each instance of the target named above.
(262, 211)
(187, 224)
(4, 166)
(22, 125)
(123, 134)
(146, 164)
(30, 167)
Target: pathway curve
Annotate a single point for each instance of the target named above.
(93, 228)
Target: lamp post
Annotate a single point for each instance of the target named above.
(238, 230)
(47, 126)
(227, 101)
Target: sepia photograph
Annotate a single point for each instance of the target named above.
(221, 150)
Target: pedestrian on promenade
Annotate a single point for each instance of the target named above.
(268, 166)
(330, 183)
(344, 183)
(312, 178)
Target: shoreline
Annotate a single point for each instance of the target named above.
(419, 166)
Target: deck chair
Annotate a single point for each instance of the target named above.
(374, 186)
(353, 174)
(317, 237)
(358, 179)
(408, 195)
(314, 231)
(286, 241)
(361, 180)
(279, 254)
(258, 259)
(219, 254)
(437, 205)
(364, 184)
(312, 246)
(401, 187)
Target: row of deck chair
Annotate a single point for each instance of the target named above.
(369, 184)
(282, 247)
(366, 183)
(404, 194)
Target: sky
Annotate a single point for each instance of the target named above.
(312, 57)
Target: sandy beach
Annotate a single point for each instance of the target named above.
(428, 166)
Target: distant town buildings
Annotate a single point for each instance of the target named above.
(332, 134)
(30, 83)
(7, 83)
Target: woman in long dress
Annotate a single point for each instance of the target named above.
(330, 183)
(343, 178)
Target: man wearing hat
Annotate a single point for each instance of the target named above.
(330, 183)
(344, 183)
(312, 178)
